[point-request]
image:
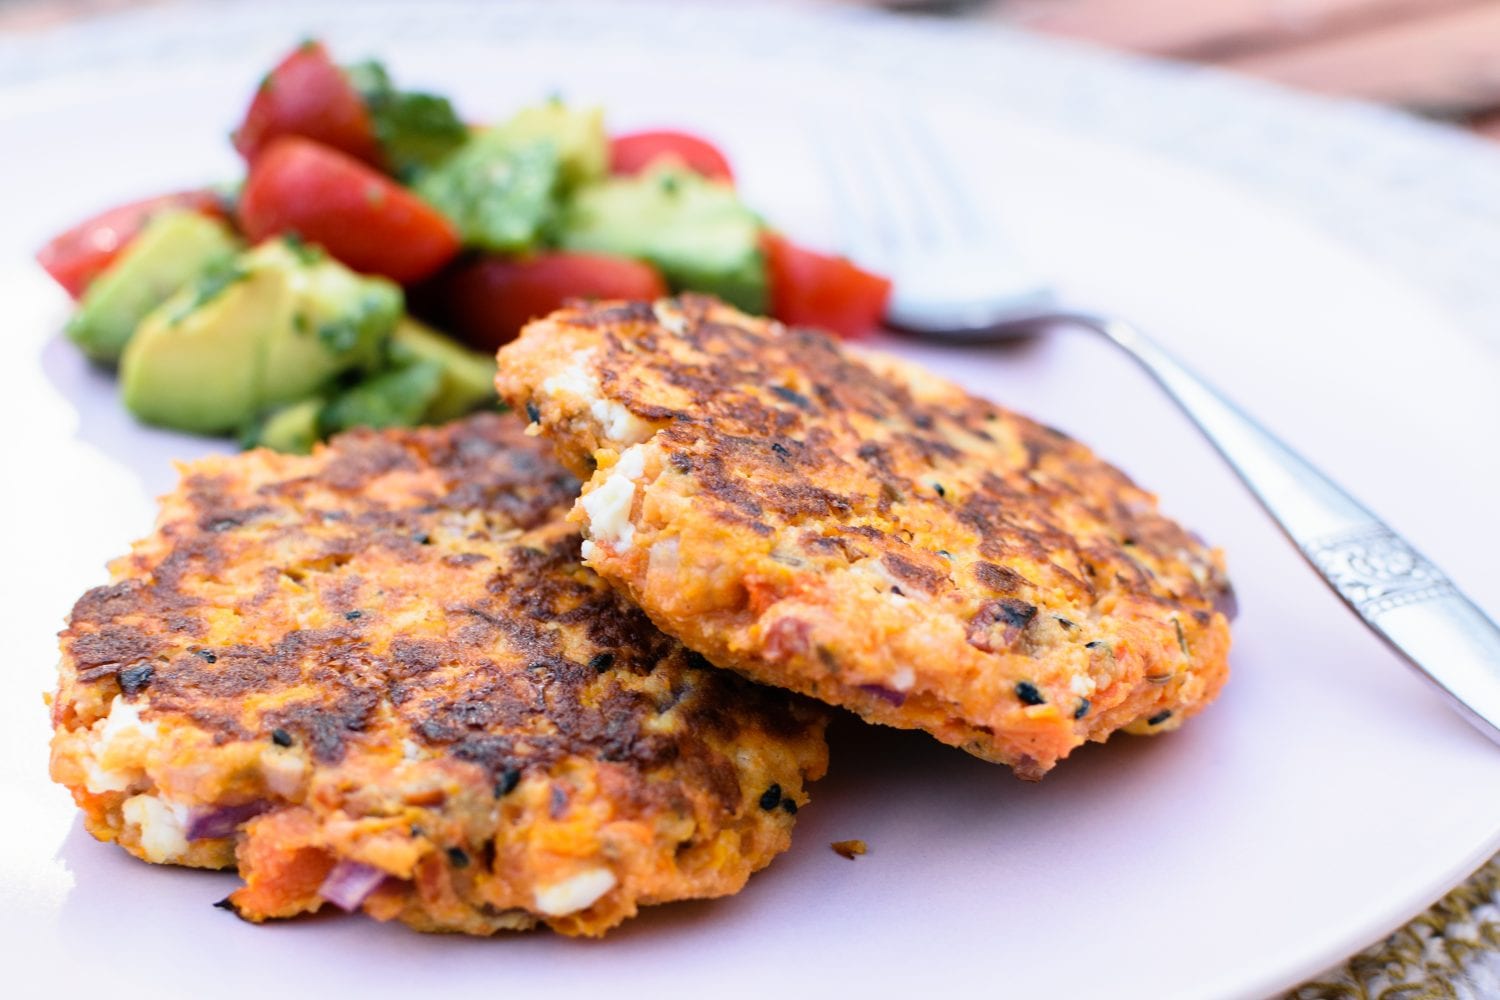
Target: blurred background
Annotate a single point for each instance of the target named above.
(1438, 58)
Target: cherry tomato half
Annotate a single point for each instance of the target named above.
(635, 151)
(814, 289)
(76, 257)
(358, 215)
(487, 302)
(308, 95)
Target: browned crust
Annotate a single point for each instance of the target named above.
(407, 610)
(852, 528)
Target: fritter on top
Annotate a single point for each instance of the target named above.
(378, 676)
(850, 527)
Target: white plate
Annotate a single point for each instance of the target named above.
(1327, 797)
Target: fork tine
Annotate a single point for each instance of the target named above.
(954, 206)
(894, 193)
(859, 227)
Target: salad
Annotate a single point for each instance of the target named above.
(379, 250)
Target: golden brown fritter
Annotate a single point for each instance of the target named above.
(850, 527)
(379, 676)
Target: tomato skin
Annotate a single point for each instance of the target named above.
(76, 257)
(307, 95)
(358, 215)
(488, 301)
(819, 290)
(635, 151)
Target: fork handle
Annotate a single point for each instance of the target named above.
(1401, 595)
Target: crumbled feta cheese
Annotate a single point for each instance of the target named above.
(284, 770)
(608, 504)
(617, 424)
(576, 893)
(1082, 684)
(903, 679)
(162, 826)
(117, 748)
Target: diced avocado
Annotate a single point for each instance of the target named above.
(396, 398)
(293, 429)
(269, 327)
(194, 363)
(175, 247)
(468, 376)
(415, 130)
(500, 193)
(338, 320)
(696, 231)
(578, 135)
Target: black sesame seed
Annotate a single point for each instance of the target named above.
(1063, 622)
(208, 656)
(792, 396)
(945, 553)
(1093, 645)
(770, 798)
(602, 662)
(940, 491)
(509, 779)
(532, 413)
(227, 904)
(133, 679)
(789, 807)
(422, 538)
(1082, 709)
(281, 737)
(457, 857)
(417, 831)
(1181, 639)
(350, 616)
(1029, 695)
(1159, 717)
(780, 449)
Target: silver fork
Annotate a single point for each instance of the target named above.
(958, 280)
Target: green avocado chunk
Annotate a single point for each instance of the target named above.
(293, 428)
(500, 193)
(696, 231)
(175, 247)
(396, 398)
(272, 326)
(577, 134)
(468, 376)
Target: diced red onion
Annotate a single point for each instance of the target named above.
(1226, 603)
(350, 884)
(221, 821)
(884, 694)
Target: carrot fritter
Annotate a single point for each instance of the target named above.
(379, 676)
(850, 527)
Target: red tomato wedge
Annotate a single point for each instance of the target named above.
(814, 289)
(358, 215)
(635, 151)
(77, 257)
(487, 302)
(307, 95)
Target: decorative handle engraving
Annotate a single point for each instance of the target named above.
(1375, 570)
(1402, 597)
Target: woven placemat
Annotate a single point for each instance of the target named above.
(1451, 952)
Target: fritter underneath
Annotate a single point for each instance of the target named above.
(378, 676)
(850, 527)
